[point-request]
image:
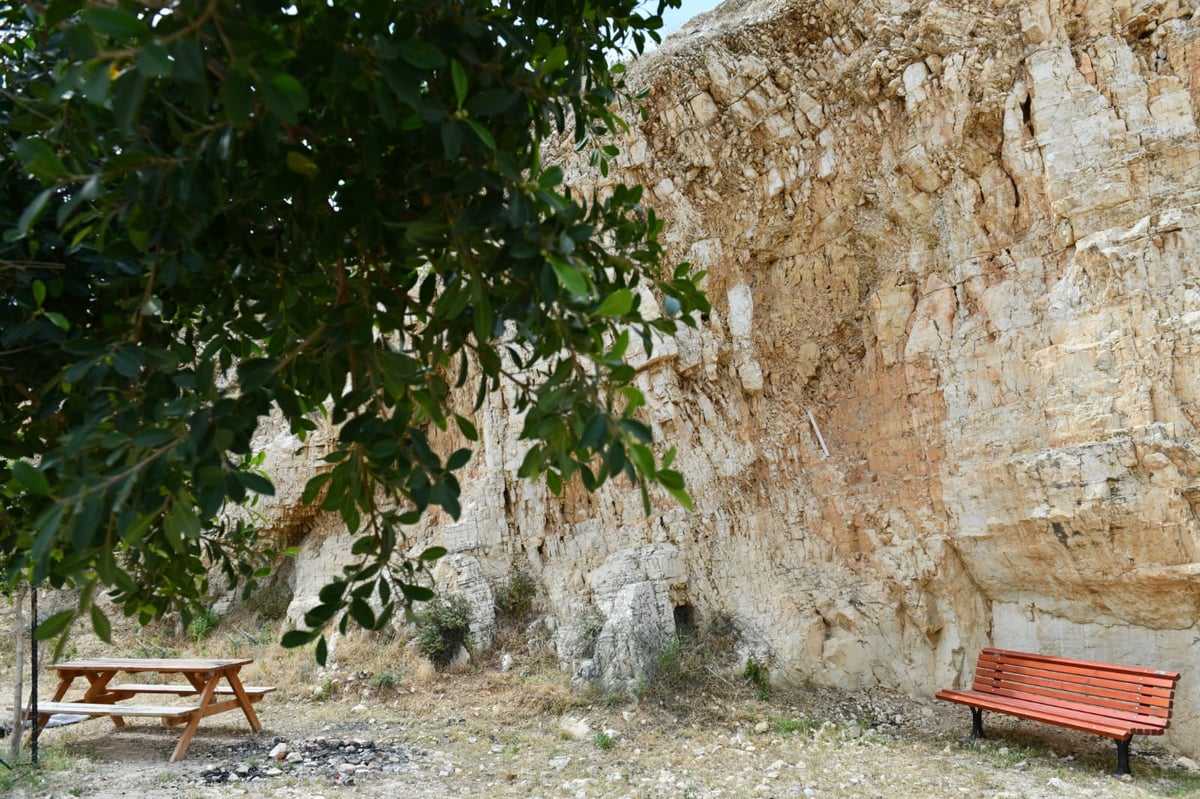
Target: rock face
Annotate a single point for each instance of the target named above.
(949, 391)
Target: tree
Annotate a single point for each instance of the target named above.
(214, 208)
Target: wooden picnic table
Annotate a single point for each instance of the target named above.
(212, 683)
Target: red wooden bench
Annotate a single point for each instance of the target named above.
(1117, 702)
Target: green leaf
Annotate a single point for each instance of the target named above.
(491, 101)
(459, 77)
(285, 97)
(619, 303)
(33, 211)
(31, 478)
(189, 60)
(256, 483)
(458, 460)
(115, 22)
(432, 553)
(95, 86)
(416, 593)
(128, 361)
(312, 489)
(153, 60)
(670, 479)
(184, 519)
(569, 278)
(58, 623)
(39, 293)
(638, 430)
(39, 158)
(322, 653)
(556, 59)
(642, 458)
(595, 433)
(362, 614)
(237, 97)
(466, 428)
(482, 133)
(296, 638)
(421, 54)
(302, 164)
(127, 99)
(58, 320)
(101, 625)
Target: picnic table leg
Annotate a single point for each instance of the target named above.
(64, 684)
(247, 706)
(185, 738)
(98, 691)
(1122, 757)
(977, 722)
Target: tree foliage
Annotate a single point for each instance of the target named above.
(216, 208)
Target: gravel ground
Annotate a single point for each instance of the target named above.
(491, 734)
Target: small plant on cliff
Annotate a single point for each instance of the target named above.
(757, 675)
(514, 598)
(442, 628)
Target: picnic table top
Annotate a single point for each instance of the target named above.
(172, 665)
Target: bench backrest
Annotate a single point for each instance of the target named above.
(1138, 695)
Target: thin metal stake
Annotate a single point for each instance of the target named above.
(33, 678)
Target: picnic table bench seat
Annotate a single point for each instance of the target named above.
(1105, 699)
(166, 712)
(255, 692)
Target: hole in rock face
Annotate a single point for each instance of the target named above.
(685, 621)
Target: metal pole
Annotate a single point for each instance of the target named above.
(33, 677)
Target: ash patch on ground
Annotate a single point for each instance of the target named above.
(337, 760)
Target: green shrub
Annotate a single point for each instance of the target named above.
(387, 679)
(787, 726)
(442, 628)
(514, 599)
(605, 741)
(757, 675)
(202, 624)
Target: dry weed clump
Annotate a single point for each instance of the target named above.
(699, 662)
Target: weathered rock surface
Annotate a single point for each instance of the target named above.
(953, 243)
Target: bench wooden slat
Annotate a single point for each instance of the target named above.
(94, 709)
(1128, 719)
(1131, 706)
(1106, 699)
(1083, 693)
(1156, 682)
(1071, 664)
(1155, 685)
(1064, 717)
(255, 692)
(1104, 689)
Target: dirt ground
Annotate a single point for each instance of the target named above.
(384, 723)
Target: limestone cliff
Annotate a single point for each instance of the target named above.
(951, 243)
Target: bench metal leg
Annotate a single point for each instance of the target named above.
(1122, 758)
(977, 722)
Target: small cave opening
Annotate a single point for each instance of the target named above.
(685, 620)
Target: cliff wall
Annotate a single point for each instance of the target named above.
(948, 393)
